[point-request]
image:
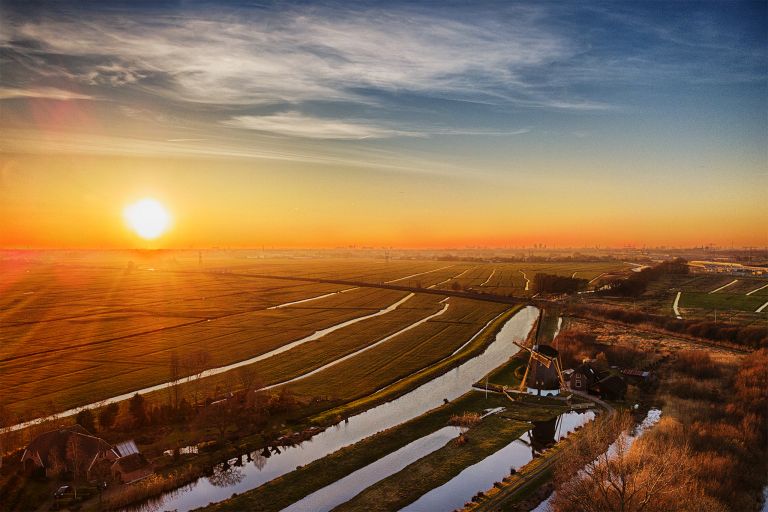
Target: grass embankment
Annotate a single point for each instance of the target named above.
(396, 388)
(287, 489)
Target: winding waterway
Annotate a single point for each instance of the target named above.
(448, 386)
(481, 476)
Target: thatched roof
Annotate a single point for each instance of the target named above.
(65, 445)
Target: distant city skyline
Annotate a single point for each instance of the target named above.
(412, 125)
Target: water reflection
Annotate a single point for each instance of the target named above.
(225, 475)
(449, 386)
(481, 476)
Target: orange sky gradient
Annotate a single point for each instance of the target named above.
(284, 126)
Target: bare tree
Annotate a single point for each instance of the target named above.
(174, 376)
(630, 477)
(6, 422)
(249, 378)
(197, 363)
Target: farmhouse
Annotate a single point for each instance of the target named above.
(131, 465)
(587, 379)
(68, 449)
(583, 378)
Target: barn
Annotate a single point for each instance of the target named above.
(67, 449)
(131, 468)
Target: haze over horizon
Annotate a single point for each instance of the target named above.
(412, 125)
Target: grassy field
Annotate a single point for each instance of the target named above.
(721, 301)
(78, 332)
(74, 334)
(699, 300)
(363, 374)
(507, 278)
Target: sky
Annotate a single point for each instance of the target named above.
(402, 124)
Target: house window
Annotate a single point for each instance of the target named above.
(578, 382)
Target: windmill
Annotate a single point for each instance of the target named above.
(543, 370)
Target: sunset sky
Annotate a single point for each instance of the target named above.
(434, 124)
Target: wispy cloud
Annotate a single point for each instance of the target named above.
(298, 125)
(52, 93)
(274, 57)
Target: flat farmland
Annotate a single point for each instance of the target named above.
(402, 355)
(398, 348)
(373, 271)
(721, 301)
(89, 333)
(703, 296)
(508, 278)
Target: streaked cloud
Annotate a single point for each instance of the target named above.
(289, 56)
(297, 125)
(52, 93)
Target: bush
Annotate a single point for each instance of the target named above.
(697, 363)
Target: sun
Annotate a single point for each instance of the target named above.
(148, 218)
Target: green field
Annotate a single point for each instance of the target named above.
(721, 301)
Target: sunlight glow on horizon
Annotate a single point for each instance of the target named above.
(148, 218)
(502, 124)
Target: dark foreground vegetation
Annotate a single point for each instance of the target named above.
(708, 452)
(553, 283)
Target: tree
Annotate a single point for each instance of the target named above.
(218, 415)
(85, 419)
(197, 363)
(137, 408)
(644, 476)
(174, 376)
(108, 415)
(6, 421)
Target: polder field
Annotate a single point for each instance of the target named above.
(709, 296)
(75, 332)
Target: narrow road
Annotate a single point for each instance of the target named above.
(675, 304)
